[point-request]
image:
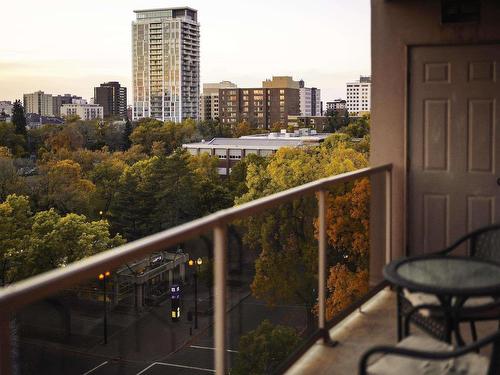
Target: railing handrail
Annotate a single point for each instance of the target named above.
(22, 293)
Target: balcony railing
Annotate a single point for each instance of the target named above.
(19, 295)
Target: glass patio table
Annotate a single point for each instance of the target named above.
(451, 279)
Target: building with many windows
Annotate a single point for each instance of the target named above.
(336, 105)
(39, 103)
(310, 100)
(166, 64)
(358, 95)
(83, 110)
(59, 100)
(260, 107)
(113, 99)
(209, 99)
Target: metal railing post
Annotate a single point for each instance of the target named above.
(322, 268)
(322, 259)
(220, 239)
(388, 216)
(5, 346)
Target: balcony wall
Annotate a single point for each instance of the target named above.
(396, 26)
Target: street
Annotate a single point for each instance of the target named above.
(149, 343)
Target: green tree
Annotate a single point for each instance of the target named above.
(260, 351)
(173, 135)
(67, 189)
(358, 129)
(155, 194)
(15, 228)
(213, 128)
(105, 175)
(19, 118)
(211, 193)
(10, 181)
(16, 143)
(127, 132)
(57, 241)
(333, 121)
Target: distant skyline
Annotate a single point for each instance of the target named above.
(63, 47)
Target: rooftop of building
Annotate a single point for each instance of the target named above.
(272, 141)
(281, 82)
(244, 143)
(163, 9)
(362, 79)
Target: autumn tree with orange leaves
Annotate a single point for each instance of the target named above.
(285, 237)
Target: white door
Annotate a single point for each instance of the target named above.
(454, 161)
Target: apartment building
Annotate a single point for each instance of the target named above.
(310, 101)
(209, 99)
(260, 107)
(59, 100)
(166, 64)
(83, 110)
(113, 99)
(336, 105)
(39, 103)
(358, 95)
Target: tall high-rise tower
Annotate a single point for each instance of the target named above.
(166, 64)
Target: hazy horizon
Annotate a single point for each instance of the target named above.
(65, 47)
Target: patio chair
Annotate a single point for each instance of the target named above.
(426, 355)
(483, 243)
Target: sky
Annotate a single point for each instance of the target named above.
(61, 46)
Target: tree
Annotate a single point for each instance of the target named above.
(358, 129)
(105, 176)
(16, 143)
(236, 182)
(284, 238)
(344, 287)
(260, 351)
(211, 193)
(19, 118)
(57, 241)
(67, 190)
(67, 138)
(172, 134)
(241, 129)
(127, 131)
(31, 244)
(10, 181)
(15, 228)
(333, 121)
(213, 128)
(155, 194)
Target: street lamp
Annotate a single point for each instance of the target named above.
(198, 263)
(103, 277)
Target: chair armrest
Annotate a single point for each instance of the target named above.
(436, 356)
(466, 237)
(454, 245)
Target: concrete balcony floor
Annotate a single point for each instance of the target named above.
(374, 324)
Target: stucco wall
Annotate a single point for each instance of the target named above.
(396, 25)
